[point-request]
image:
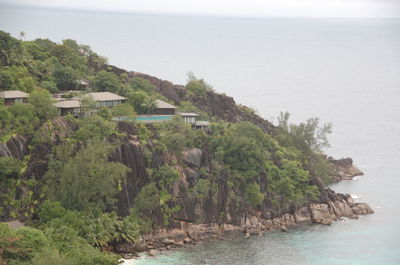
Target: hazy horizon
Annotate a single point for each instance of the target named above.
(224, 8)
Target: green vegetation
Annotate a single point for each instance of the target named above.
(197, 88)
(68, 185)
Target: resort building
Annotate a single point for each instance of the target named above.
(107, 99)
(65, 107)
(202, 124)
(13, 96)
(192, 118)
(189, 117)
(163, 108)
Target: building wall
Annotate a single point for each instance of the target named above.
(10, 101)
(110, 103)
(159, 111)
(190, 119)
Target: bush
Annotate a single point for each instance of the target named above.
(51, 210)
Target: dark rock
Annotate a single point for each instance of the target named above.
(140, 246)
(193, 157)
(321, 213)
(151, 253)
(130, 155)
(302, 215)
(191, 176)
(362, 208)
(124, 247)
(16, 147)
(344, 169)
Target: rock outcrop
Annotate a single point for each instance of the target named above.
(16, 147)
(215, 104)
(193, 157)
(129, 154)
(344, 169)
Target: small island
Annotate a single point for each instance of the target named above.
(99, 163)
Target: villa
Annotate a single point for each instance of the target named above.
(191, 118)
(107, 99)
(73, 106)
(65, 107)
(13, 96)
(163, 108)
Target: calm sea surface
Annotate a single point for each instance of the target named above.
(344, 71)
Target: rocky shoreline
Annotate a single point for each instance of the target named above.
(339, 206)
(344, 169)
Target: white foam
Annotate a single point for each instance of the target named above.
(355, 197)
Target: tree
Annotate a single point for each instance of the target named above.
(24, 120)
(105, 113)
(88, 105)
(123, 110)
(141, 84)
(253, 196)
(307, 136)
(10, 49)
(43, 104)
(136, 99)
(65, 77)
(9, 168)
(88, 181)
(93, 128)
(51, 210)
(106, 81)
(197, 87)
(148, 105)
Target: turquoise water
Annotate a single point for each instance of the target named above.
(144, 119)
(154, 118)
(346, 71)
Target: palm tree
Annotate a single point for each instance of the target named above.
(22, 35)
(149, 104)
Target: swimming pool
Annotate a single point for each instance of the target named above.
(146, 118)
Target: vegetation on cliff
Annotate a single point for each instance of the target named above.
(69, 184)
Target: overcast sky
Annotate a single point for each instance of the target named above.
(257, 8)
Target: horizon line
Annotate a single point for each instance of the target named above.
(181, 14)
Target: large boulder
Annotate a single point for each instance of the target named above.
(362, 208)
(124, 247)
(344, 169)
(321, 213)
(192, 176)
(302, 215)
(193, 157)
(342, 209)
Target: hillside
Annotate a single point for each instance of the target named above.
(92, 186)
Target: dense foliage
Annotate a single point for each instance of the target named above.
(73, 206)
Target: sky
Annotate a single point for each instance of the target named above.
(247, 8)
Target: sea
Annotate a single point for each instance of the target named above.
(344, 71)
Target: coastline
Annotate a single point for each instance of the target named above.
(339, 207)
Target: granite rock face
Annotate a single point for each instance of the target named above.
(193, 157)
(219, 105)
(16, 147)
(344, 169)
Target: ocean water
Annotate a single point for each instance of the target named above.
(346, 71)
